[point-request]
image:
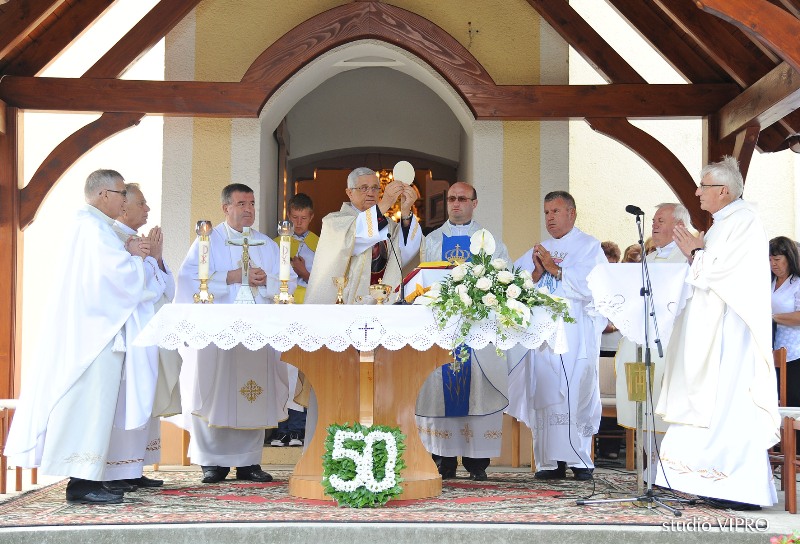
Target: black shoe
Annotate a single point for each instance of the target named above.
(119, 485)
(553, 474)
(96, 496)
(253, 473)
(478, 476)
(582, 474)
(212, 475)
(447, 473)
(144, 481)
(725, 504)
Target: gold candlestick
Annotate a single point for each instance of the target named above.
(283, 297)
(203, 230)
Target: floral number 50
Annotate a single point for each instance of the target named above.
(364, 461)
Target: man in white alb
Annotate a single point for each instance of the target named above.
(461, 413)
(155, 371)
(66, 410)
(562, 392)
(233, 395)
(719, 394)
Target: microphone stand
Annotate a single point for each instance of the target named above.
(649, 498)
(402, 300)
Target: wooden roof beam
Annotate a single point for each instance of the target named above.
(66, 29)
(236, 99)
(767, 101)
(654, 27)
(586, 41)
(19, 18)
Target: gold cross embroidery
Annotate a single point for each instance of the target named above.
(251, 391)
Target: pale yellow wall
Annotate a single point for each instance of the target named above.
(521, 186)
(230, 35)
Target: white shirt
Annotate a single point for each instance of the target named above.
(785, 299)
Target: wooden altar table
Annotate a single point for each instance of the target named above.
(324, 341)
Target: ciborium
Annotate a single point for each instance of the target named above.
(380, 291)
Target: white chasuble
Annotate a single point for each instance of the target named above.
(64, 418)
(345, 249)
(231, 396)
(558, 396)
(719, 394)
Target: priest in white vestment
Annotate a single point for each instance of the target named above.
(361, 244)
(558, 396)
(719, 394)
(233, 395)
(155, 378)
(666, 218)
(455, 419)
(66, 410)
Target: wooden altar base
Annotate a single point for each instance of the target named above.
(336, 379)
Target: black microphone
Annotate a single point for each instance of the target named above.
(634, 210)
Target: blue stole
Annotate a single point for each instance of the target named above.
(455, 247)
(456, 385)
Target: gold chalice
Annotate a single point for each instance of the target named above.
(340, 282)
(380, 292)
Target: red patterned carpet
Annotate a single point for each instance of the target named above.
(508, 497)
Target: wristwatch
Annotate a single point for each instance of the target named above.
(695, 250)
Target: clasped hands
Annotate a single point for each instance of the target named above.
(542, 262)
(686, 241)
(142, 246)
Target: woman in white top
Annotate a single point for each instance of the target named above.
(785, 264)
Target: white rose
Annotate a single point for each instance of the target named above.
(544, 289)
(461, 289)
(478, 270)
(482, 241)
(499, 264)
(513, 291)
(521, 309)
(528, 283)
(505, 277)
(489, 299)
(435, 289)
(484, 283)
(465, 299)
(458, 272)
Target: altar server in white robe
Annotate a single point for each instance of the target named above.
(361, 244)
(157, 374)
(66, 409)
(461, 414)
(666, 218)
(558, 396)
(233, 395)
(719, 393)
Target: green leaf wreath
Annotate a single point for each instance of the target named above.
(476, 290)
(361, 465)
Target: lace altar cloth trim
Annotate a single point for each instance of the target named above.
(312, 326)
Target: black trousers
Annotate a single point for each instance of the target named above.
(472, 464)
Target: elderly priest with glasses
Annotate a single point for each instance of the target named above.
(359, 243)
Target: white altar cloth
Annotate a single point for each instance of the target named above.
(337, 327)
(616, 291)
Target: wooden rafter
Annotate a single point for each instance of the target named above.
(591, 46)
(150, 29)
(37, 55)
(765, 102)
(19, 18)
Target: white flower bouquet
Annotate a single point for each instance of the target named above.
(487, 288)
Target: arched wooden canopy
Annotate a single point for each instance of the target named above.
(739, 58)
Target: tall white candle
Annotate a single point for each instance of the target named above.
(204, 248)
(286, 267)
